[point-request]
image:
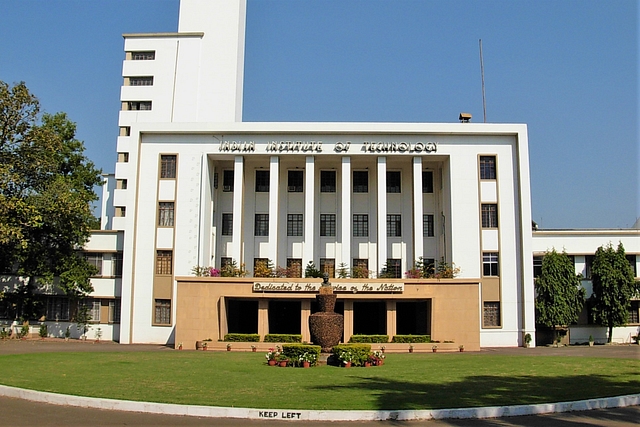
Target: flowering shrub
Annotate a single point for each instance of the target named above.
(273, 353)
(205, 271)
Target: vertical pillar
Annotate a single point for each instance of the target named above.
(274, 174)
(345, 212)
(263, 318)
(391, 318)
(348, 319)
(382, 212)
(309, 211)
(418, 233)
(238, 220)
(222, 318)
(305, 312)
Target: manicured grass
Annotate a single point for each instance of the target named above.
(406, 381)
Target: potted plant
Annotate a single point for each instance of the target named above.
(461, 348)
(410, 349)
(283, 361)
(590, 340)
(43, 331)
(382, 348)
(272, 356)
(24, 331)
(67, 333)
(254, 348)
(527, 340)
(307, 359)
(179, 346)
(434, 348)
(377, 358)
(229, 347)
(346, 357)
(204, 345)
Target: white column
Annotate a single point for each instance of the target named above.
(238, 215)
(382, 212)
(418, 239)
(309, 211)
(274, 174)
(345, 212)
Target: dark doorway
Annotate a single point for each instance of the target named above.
(369, 318)
(284, 317)
(242, 316)
(413, 317)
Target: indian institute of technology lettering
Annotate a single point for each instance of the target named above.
(313, 146)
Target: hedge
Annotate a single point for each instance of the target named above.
(359, 352)
(294, 351)
(242, 337)
(283, 338)
(411, 338)
(369, 339)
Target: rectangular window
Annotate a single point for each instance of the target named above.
(360, 181)
(165, 214)
(121, 211)
(393, 181)
(295, 181)
(393, 268)
(490, 265)
(227, 224)
(164, 263)
(261, 227)
(225, 262)
(632, 263)
(634, 312)
(138, 105)
(537, 266)
(327, 225)
(489, 216)
(125, 130)
(394, 225)
(141, 81)
(328, 265)
(57, 308)
(123, 157)
(116, 264)
(427, 225)
(114, 311)
(262, 181)
(491, 314)
(95, 259)
(294, 266)
(227, 180)
(360, 225)
(487, 167)
(168, 166)
(327, 181)
(295, 225)
(162, 312)
(427, 181)
(588, 262)
(121, 184)
(143, 56)
(94, 309)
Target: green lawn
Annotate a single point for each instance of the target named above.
(406, 381)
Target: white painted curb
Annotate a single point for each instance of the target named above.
(293, 414)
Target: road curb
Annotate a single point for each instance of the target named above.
(311, 415)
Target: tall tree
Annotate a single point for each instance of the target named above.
(46, 191)
(559, 292)
(613, 287)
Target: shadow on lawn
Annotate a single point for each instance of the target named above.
(477, 391)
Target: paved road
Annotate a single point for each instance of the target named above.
(17, 412)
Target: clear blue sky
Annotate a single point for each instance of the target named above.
(568, 69)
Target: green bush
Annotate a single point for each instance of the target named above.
(242, 337)
(358, 353)
(411, 338)
(44, 331)
(369, 339)
(283, 338)
(294, 353)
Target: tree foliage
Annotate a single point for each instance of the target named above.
(559, 292)
(46, 191)
(613, 287)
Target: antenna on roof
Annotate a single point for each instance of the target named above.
(484, 101)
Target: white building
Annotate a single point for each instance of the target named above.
(196, 186)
